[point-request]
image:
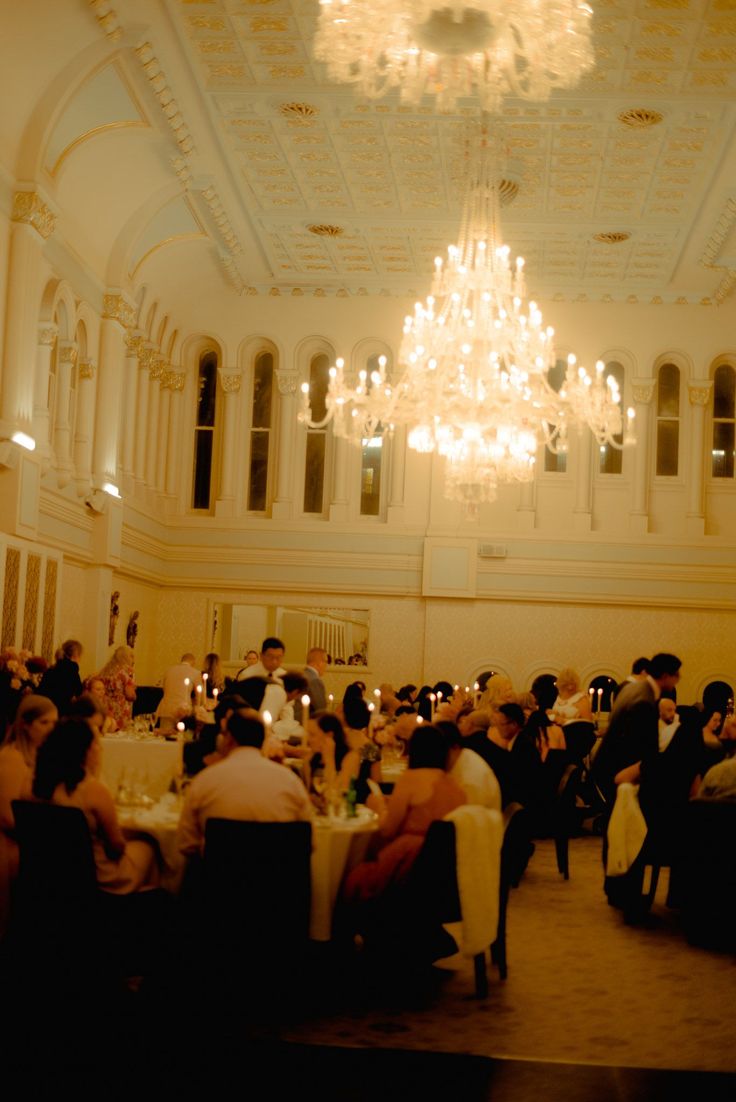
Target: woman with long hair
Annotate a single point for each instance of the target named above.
(66, 768)
(34, 719)
(117, 677)
(214, 676)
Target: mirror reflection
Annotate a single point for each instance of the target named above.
(343, 632)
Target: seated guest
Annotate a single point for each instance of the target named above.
(95, 688)
(475, 777)
(332, 764)
(545, 734)
(215, 678)
(66, 768)
(425, 792)
(244, 786)
(572, 703)
(513, 759)
(61, 682)
(544, 691)
(34, 719)
(498, 690)
(719, 783)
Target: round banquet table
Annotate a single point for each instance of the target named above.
(151, 763)
(338, 845)
(160, 822)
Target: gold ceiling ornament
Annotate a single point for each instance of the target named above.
(453, 49)
(640, 117)
(324, 229)
(304, 112)
(611, 237)
(472, 381)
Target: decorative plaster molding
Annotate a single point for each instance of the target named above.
(643, 391)
(107, 18)
(177, 380)
(87, 369)
(230, 378)
(713, 246)
(232, 273)
(133, 344)
(157, 367)
(164, 95)
(288, 382)
(146, 356)
(30, 208)
(221, 219)
(116, 308)
(68, 352)
(699, 392)
(47, 334)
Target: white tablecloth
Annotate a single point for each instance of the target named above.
(150, 763)
(339, 845)
(160, 822)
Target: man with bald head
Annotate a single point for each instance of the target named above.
(179, 682)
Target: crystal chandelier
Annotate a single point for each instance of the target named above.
(456, 48)
(473, 378)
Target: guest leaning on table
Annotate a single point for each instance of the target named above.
(34, 719)
(66, 765)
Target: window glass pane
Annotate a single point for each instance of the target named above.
(556, 375)
(258, 471)
(611, 459)
(262, 391)
(557, 464)
(370, 476)
(668, 441)
(202, 468)
(668, 391)
(724, 391)
(207, 389)
(314, 475)
(318, 380)
(723, 446)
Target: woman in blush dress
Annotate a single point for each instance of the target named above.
(34, 719)
(117, 678)
(66, 768)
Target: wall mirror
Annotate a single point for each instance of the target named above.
(343, 632)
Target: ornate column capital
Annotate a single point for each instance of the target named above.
(116, 308)
(158, 365)
(176, 380)
(133, 344)
(642, 391)
(47, 333)
(699, 391)
(146, 356)
(287, 382)
(68, 352)
(231, 378)
(30, 209)
(87, 369)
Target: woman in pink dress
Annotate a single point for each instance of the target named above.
(117, 678)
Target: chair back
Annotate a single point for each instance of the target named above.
(57, 882)
(579, 739)
(708, 884)
(260, 874)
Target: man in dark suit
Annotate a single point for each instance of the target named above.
(632, 733)
(313, 671)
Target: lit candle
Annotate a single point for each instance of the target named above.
(371, 709)
(330, 701)
(591, 694)
(180, 727)
(205, 677)
(215, 693)
(456, 688)
(266, 716)
(476, 691)
(199, 691)
(187, 682)
(305, 711)
(420, 719)
(600, 695)
(432, 701)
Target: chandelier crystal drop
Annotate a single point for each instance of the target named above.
(455, 49)
(473, 379)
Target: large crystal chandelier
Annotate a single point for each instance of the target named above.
(473, 374)
(456, 48)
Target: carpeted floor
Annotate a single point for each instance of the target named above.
(582, 988)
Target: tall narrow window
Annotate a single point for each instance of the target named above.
(314, 469)
(204, 432)
(724, 421)
(611, 459)
(371, 460)
(668, 420)
(260, 432)
(556, 463)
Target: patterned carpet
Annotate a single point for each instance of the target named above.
(582, 987)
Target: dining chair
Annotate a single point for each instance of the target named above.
(708, 874)
(564, 816)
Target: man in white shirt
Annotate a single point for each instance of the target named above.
(245, 786)
(269, 666)
(180, 681)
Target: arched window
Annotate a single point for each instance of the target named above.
(602, 696)
(260, 432)
(556, 464)
(718, 695)
(610, 459)
(371, 459)
(724, 422)
(668, 420)
(314, 467)
(204, 432)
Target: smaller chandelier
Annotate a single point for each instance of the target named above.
(454, 49)
(474, 369)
